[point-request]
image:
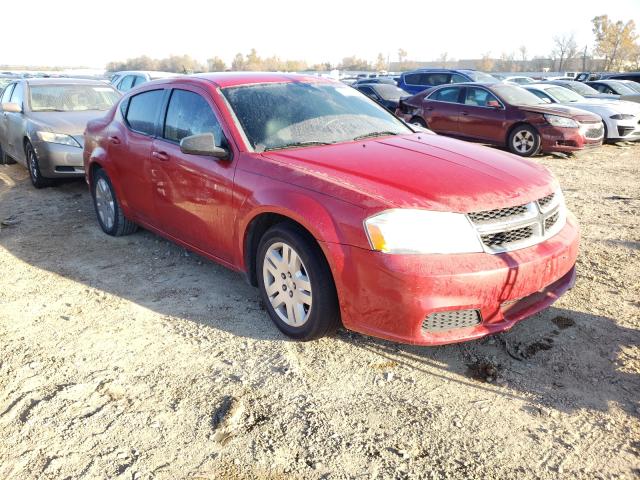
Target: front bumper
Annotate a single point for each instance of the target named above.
(59, 161)
(554, 139)
(390, 296)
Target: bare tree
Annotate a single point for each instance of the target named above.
(565, 48)
(443, 59)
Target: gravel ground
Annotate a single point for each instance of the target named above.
(132, 358)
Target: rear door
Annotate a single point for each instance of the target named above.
(4, 118)
(130, 148)
(193, 193)
(482, 116)
(441, 110)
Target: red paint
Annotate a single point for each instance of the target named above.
(207, 205)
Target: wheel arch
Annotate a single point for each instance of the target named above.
(516, 125)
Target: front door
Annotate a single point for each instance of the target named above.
(482, 116)
(193, 193)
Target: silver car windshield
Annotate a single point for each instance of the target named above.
(71, 98)
(282, 115)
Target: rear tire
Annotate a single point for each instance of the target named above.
(296, 283)
(33, 165)
(108, 210)
(524, 140)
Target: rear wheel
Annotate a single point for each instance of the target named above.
(296, 283)
(524, 140)
(37, 180)
(110, 216)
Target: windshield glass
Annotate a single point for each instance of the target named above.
(71, 98)
(390, 92)
(564, 95)
(626, 88)
(482, 77)
(515, 95)
(280, 115)
(633, 86)
(582, 89)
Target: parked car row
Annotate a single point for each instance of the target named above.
(339, 212)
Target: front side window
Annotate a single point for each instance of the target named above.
(437, 79)
(126, 83)
(138, 80)
(18, 94)
(457, 78)
(446, 95)
(143, 111)
(478, 97)
(71, 98)
(190, 114)
(6, 94)
(280, 115)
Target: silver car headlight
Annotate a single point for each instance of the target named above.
(562, 122)
(411, 231)
(61, 138)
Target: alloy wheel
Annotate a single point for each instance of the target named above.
(105, 204)
(287, 284)
(523, 141)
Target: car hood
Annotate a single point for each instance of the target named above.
(69, 123)
(604, 105)
(563, 110)
(420, 170)
(630, 98)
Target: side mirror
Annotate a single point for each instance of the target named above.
(202, 144)
(12, 107)
(493, 104)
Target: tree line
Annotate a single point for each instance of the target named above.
(615, 47)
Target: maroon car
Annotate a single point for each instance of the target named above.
(503, 115)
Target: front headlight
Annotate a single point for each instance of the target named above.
(409, 231)
(61, 138)
(562, 122)
(622, 116)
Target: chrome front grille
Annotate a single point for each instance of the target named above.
(489, 215)
(509, 236)
(440, 321)
(592, 131)
(505, 229)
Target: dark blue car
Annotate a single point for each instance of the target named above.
(419, 80)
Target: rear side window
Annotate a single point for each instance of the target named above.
(446, 95)
(478, 97)
(437, 79)
(412, 79)
(126, 83)
(190, 114)
(6, 95)
(143, 111)
(457, 78)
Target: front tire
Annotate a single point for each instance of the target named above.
(296, 283)
(524, 140)
(108, 210)
(33, 164)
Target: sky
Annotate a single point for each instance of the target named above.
(87, 33)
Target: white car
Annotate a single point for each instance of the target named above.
(519, 79)
(621, 118)
(126, 80)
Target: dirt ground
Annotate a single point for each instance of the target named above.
(132, 358)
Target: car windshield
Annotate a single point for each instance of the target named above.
(482, 77)
(72, 98)
(633, 86)
(564, 95)
(390, 92)
(515, 95)
(281, 115)
(625, 89)
(581, 88)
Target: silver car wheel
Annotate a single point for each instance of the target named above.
(523, 141)
(105, 204)
(33, 165)
(287, 284)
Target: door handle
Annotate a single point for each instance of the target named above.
(160, 155)
(114, 140)
(429, 108)
(465, 113)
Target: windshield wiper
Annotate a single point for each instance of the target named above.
(294, 144)
(49, 110)
(375, 134)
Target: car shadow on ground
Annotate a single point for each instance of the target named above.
(560, 359)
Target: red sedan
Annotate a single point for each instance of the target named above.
(336, 210)
(504, 115)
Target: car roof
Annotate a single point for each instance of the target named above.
(65, 81)
(235, 79)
